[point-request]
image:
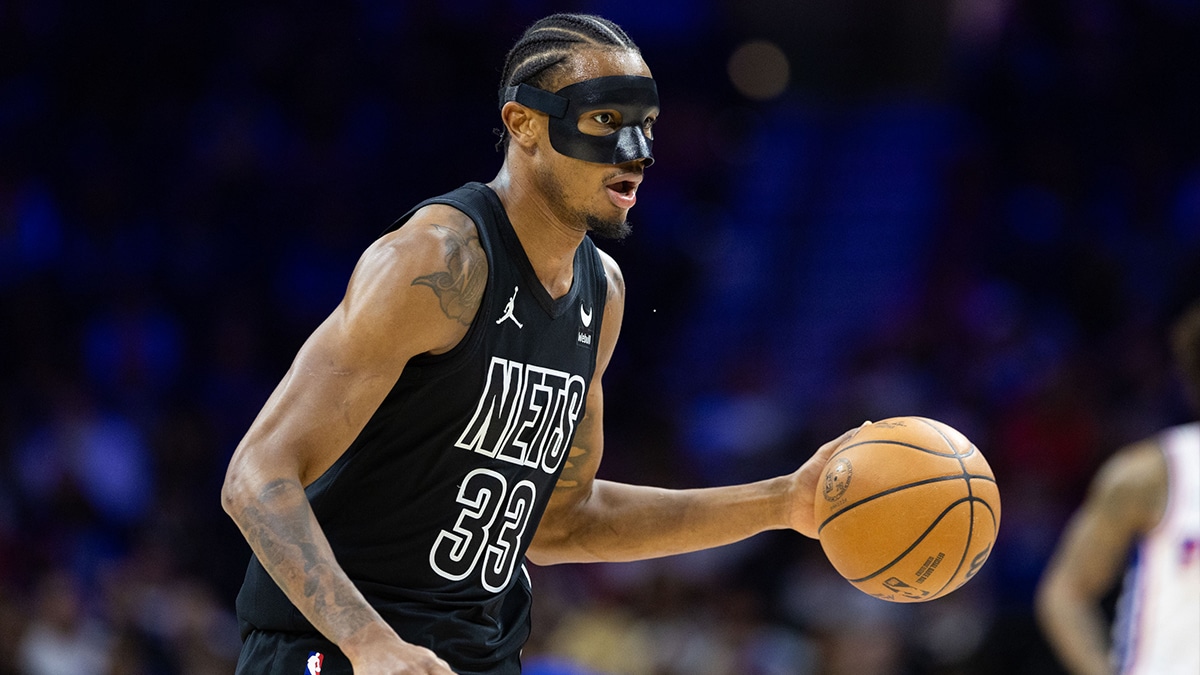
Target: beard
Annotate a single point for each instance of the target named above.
(605, 228)
(608, 229)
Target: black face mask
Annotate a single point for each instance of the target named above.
(634, 97)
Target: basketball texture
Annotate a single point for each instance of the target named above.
(908, 509)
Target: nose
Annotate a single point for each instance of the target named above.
(632, 144)
(636, 166)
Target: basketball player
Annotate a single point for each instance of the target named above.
(1144, 500)
(446, 420)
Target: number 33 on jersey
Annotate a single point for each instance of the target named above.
(525, 416)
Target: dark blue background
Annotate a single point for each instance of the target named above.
(985, 212)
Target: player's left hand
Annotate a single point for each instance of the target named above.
(804, 484)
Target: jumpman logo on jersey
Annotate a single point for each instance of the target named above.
(508, 311)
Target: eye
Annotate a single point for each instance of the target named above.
(605, 118)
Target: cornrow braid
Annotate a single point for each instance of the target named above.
(547, 44)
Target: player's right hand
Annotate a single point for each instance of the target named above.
(411, 660)
(805, 481)
(387, 654)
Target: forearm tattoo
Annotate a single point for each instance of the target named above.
(460, 287)
(282, 531)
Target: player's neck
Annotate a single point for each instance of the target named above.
(549, 243)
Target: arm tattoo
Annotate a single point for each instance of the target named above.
(575, 472)
(460, 287)
(284, 534)
(570, 478)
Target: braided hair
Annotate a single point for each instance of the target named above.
(546, 46)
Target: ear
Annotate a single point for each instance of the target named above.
(524, 125)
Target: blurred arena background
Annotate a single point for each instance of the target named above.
(981, 211)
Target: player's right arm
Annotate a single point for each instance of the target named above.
(414, 291)
(1125, 501)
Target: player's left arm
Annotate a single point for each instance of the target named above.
(593, 520)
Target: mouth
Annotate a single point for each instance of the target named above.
(622, 190)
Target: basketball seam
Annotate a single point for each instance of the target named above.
(995, 533)
(971, 515)
(917, 541)
(898, 488)
(925, 533)
(885, 441)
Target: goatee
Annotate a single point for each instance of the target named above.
(608, 229)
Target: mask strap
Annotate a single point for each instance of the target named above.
(538, 99)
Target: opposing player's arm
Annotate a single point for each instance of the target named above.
(1125, 501)
(591, 520)
(413, 291)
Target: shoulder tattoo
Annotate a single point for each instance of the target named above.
(459, 287)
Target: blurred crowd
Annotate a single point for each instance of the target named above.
(980, 211)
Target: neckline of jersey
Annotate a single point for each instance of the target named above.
(554, 308)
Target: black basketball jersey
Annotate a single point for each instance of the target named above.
(432, 507)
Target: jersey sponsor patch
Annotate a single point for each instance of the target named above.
(585, 327)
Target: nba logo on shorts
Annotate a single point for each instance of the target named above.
(315, 659)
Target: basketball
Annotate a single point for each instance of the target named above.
(907, 509)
